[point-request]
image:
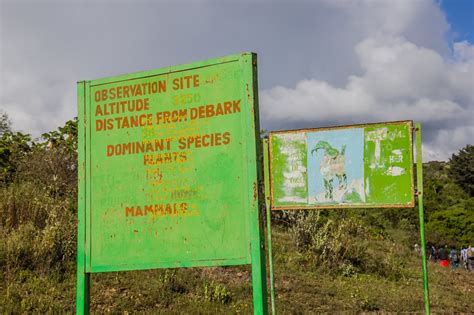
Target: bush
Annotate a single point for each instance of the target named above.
(347, 247)
(216, 293)
(20, 254)
(332, 243)
(39, 230)
(52, 169)
(47, 250)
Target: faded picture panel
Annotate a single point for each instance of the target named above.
(349, 166)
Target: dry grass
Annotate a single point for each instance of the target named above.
(300, 289)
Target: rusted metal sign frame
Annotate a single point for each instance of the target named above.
(341, 206)
(254, 175)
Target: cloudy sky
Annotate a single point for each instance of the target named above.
(326, 62)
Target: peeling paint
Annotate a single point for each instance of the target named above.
(361, 166)
(395, 171)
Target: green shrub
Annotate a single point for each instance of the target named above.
(216, 293)
(345, 246)
(46, 250)
(39, 230)
(20, 251)
(332, 243)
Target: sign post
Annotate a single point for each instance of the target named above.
(269, 221)
(83, 278)
(168, 172)
(419, 193)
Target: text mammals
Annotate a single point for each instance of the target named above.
(157, 209)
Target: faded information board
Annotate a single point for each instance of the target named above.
(340, 167)
(168, 164)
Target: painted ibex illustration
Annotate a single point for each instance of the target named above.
(332, 165)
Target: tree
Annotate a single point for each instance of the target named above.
(5, 125)
(52, 162)
(462, 168)
(13, 147)
(65, 137)
(454, 227)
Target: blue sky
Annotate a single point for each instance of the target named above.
(321, 63)
(460, 15)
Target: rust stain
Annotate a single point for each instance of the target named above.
(250, 99)
(255, 189)
(339, 127)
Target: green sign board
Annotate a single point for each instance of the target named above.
(168, 168)
(340, 167)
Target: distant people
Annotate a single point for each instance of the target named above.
(433, 254)
(454, 257)
(470, 258)
(444, 256)
(464, 257)
(417, 249)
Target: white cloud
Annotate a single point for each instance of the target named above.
(420, 21)
(447, 141)
(395, 68)
(383, 16)
(399, 79)
(320, 62)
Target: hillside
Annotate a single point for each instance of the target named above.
(301, 287)
(325, 261)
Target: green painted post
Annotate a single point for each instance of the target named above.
(259, 275)
(419, 184)
(83, 278)
(259, 280)
(266, 174)
(259, 286)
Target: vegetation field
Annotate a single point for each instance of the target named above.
(325, 261)
(301, 288)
